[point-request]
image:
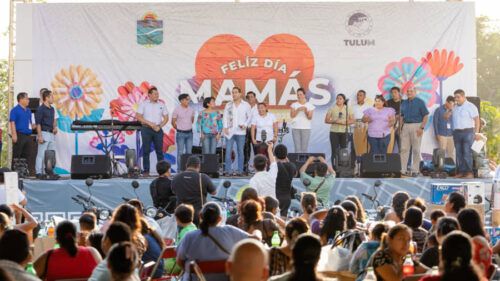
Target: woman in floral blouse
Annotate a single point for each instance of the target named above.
(209, 125)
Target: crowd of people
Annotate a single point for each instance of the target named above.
(261, 241)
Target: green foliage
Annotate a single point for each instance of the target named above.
(491, 114)
(488, 60)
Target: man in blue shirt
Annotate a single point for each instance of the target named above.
(20, 127)
(46, 129)
(465, 131)
(414, 115)
(443, 127)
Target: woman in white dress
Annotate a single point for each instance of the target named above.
(264, 129)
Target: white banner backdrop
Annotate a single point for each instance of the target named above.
(97, 56)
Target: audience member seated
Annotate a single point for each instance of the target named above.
(333, 224)
(247, 194)
(430, 256)
(129, 215)
(323, 179)
(87, 223)
(305, 255)
(398, 207)
(253, 223)
(364, 252)
(361, 214)
(454, 204)
(70, 261)
(161, 188)
(280, 258)
(95, 241)
(456, 255)
(117, 232)
(444, 226)
(122, 262)
(16, 211)
(272, 205)
(308, 205)
(413, 218)
(210, 243)
(151, 221)
(248, 261)
(184, 215)
(15, 254)
(4, 223)
(435, 215)
(155, 245)
(387, 261)
(352, 214)
(419, 203)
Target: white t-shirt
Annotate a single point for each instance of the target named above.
(300, 121)
(265, 182)
(264, 124)
(254, 111)
(153, 111)
(359, 109)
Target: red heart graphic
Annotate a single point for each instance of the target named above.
(283, 48)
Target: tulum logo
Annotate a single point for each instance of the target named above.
(359, 24)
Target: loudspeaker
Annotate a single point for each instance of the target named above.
(219, 151)
(381, 165)
(299, 159)
(209, 163)
(90, 166)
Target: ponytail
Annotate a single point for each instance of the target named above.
(384, 240)
(308, 202)
(66, 237)
(210, 215)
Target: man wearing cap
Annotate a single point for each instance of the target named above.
(191, 186)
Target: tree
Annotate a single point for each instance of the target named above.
(4, 91)
(488, 60)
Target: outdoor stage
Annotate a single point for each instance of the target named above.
(48, 198)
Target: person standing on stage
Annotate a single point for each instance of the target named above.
(465, 130)
(337, 117)
(209, 125)
(395, 103)
(235, 122)
(301, 113)
(153, 115)
(443, 126)
(20, 127)
(182, 121)
(357, 111)
(264, 129)
(380, 119)
(46, 129)
(252, 101)
(414, 115)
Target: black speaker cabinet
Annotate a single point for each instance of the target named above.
(90, 166)
(299, 159)
(209, 163)
(381, 165)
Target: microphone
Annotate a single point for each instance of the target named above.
(284, 124)
(135, 184)
(226, 184)
(263, 135)
(377, 183)
(340, 115)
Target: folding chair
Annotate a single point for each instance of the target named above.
(146, 270)
(167, 253)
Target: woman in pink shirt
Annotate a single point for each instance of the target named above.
(380, 120)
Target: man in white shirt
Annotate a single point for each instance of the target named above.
(252, 101)
(265, 181)
(237, 114)
(153, 115)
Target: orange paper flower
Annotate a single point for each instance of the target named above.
(443, 64)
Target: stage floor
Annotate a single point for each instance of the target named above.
(48, 198)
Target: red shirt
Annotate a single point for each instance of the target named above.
(62, 266)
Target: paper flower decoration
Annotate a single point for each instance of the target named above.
(409, 73)
(130, 96)
(443, 65)
(76, 91)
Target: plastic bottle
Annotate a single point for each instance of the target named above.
(276, 240)
(30, 269)
(408, 266)
(370, 275)
(50, 231)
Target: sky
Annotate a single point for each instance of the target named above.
(490, 8)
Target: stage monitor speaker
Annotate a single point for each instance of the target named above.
(90, 166)
(209, 163)
(220, 151)
(299, 159)
(381, 165)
